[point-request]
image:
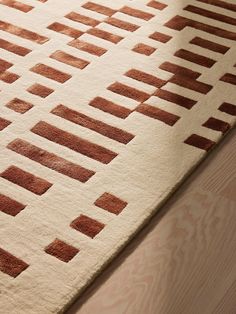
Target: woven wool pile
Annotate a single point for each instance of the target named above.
(105, 107)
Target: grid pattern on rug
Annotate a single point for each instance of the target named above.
(104, 109)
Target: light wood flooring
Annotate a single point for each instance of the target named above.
(184, 260)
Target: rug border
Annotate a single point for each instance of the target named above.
(154, 209)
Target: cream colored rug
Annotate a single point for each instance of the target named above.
(105, 107)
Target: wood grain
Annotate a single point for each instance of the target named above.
(184, 260)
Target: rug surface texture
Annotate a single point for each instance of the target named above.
(106, 106)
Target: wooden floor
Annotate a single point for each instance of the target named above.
(184, 260)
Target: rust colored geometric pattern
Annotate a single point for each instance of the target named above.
(10, 206)
(61, 250)
(105, 108)
(86, 225)
(110, 203)
(11, 265)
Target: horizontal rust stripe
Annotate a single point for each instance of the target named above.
(163, 38)
(199, 142)
(156, 5)
(10, 206)
(111, 203)
(121, 24)
(87, 225)
(210, 14)
(69, 59)
(228, 108)
(73, 142)
(217, 125)
(19, 105)
(4, 65)
(98, 8)
(145, 78)
(136, 13)
(210, 45)
(179, 22)
(128, 91)
(26, 180)
(104, 35)
(87, 47)
(4, 123)
(61, 250)
(229, 78)
(16, 49)
(66, 30)
(50, 160)
(11, 265)
(23, 33)
(40, 90)
(221, 4)
(191, 84)
(179, 70)
(93, 124)
(50, 73)
(17, 5)
(144, 49)
(76, 17)
(195, 58)
(9, 77)
(110, 107)
(175, 98)
(158, 114)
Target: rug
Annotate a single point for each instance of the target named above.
(106, 106)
